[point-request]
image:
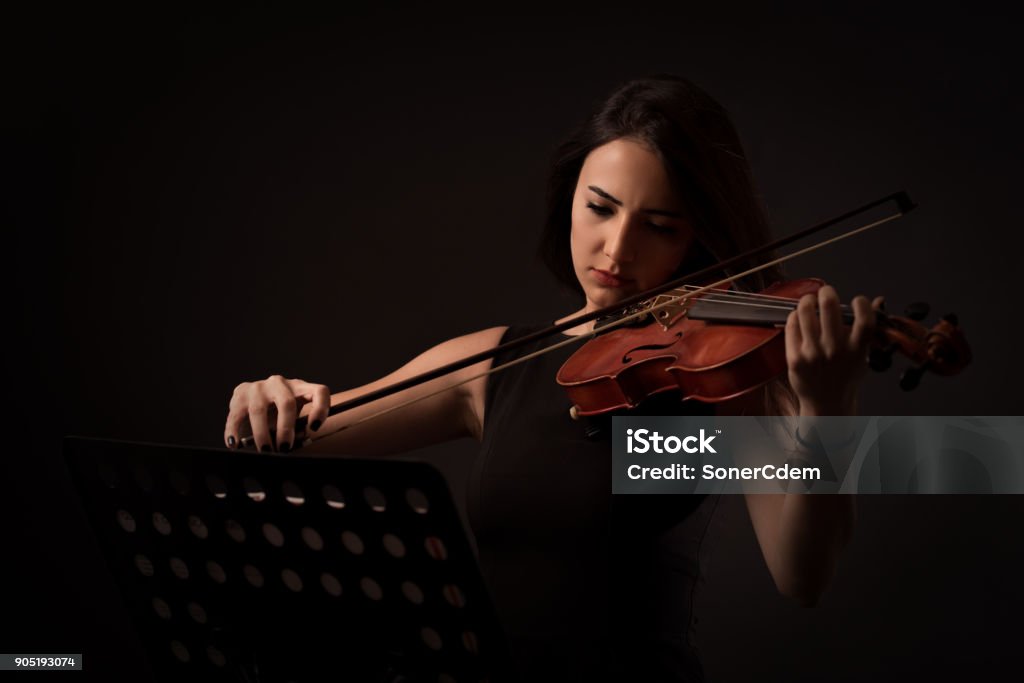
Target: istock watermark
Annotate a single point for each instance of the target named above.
(861, 454)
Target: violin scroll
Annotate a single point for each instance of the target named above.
(941, 349)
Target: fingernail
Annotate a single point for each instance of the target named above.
(266, 448)
(316, 425)
(231, 442)
(284, 447)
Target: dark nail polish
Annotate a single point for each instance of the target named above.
(231, 442)
(284, 447)
(316, 425)
(266, 448)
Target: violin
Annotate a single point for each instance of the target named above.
(709, 342)
(713, 344)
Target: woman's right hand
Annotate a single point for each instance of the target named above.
(258, 402)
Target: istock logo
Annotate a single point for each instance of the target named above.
(657, 443)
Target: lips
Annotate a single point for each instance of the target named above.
(608, 280)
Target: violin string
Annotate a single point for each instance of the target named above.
(784, 301)
(789, 306)
(722, 296)
(747, 304)
(744, 298)
(615, 323)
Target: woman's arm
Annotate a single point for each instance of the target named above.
(802, 536)
(450, 414)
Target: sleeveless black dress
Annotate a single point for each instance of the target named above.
(588, 586)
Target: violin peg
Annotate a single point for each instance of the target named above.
(917, 310)
(911, 377)
(952, 319)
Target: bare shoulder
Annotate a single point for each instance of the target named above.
(457, 348)
(468, 344)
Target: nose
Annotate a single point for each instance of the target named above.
(618, 243)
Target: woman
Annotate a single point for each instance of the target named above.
(655, 184)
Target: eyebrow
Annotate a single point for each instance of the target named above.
(657, 212)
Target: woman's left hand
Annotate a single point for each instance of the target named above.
(826, 358)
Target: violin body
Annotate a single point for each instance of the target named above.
(707, 361)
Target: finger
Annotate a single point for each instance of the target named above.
(258, 404)
(878, 303)
(810, 330)
(236, 416)
(863, 324)
(832, 337)
(284, 398)
(232, 427)
(793, 338)
(320, 398)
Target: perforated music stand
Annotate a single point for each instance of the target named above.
(240, 566)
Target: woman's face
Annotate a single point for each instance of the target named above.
(628, 229)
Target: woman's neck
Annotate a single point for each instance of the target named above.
(579, 329)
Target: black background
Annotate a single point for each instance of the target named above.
(197, 201)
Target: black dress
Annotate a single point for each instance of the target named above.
(588, 586)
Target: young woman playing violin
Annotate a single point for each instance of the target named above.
(653, 185)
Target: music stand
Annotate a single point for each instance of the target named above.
(264, 567)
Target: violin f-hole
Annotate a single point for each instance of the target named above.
(650, 347)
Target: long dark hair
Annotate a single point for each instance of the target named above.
(696, 141)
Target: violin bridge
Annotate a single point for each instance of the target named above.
(669, 309)
(665, 316)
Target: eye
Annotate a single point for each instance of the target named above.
(656, 227)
